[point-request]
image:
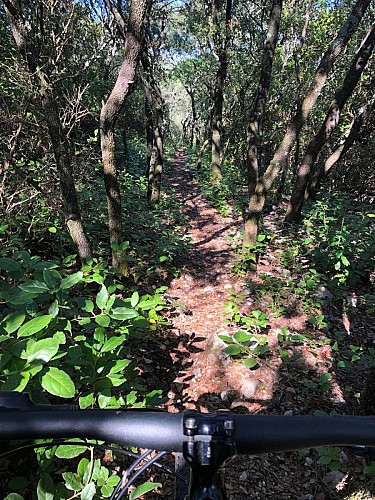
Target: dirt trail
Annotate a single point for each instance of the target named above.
(202, 290)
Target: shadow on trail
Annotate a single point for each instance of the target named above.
(206, 261)
(299, 386)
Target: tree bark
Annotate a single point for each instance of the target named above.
(154, 127)
(60, 142)
(324, 169)
(254, 128)
(109, 113)
(221, 75)
(257, 199)
(352, 77)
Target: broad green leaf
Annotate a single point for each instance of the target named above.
(86, 401)
(123, 313)
(143, 489)
(112, 343)
(82, 466)
(46, 488)
(60, 337)
(53, 309)
(102, 297)
(113, 480)
(52, 279)
(32, 370)
(85, 304)
(226, 338)
(103, 320)
(109, 486)
(40, 266)
(72, 481)
(134, 299)
(34, 325)
(71, 280)
(58, 383)
(120, 365)
(43, 350)
(232, 350)
(345, 261)
(100, 473)
(110, 302)
(116, 379)
(13, 321)
(34, 286)
(88, 491)
(242, 336)
(149, 303)
(16, 382)
(250, 362)
(10, 265)
(19, 297)
(14, 496)
(70, 450)
(103, 400)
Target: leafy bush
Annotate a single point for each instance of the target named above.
(64, 334)
(340, 239)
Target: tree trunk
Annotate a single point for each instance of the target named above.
(108, 117)
(60, 143)
(281, 157)
(353, 75)
(324, 169)
(217, 113)
(254, 128)
(202, 150)
(155, 184)
(63, 157)
(154, 126)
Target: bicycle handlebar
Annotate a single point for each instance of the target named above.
(20, 418)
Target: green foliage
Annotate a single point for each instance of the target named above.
(330, 457)
(245, 260)
(247, 344)
(339, 240)
(65, 335)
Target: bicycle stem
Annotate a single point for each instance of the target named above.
(209, 444)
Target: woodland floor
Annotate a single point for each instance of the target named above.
(187, 360)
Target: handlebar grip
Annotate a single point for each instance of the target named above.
(142, 429)
(264, 434)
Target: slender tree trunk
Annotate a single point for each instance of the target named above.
(60, 143)
(202, 150)
(155, 185)
(63, 157)
(254, 128)
(221, 75)
(324, 169)
(154, 125)
(108, 117)
(149, 134)
(281, 157)
(353, 75)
